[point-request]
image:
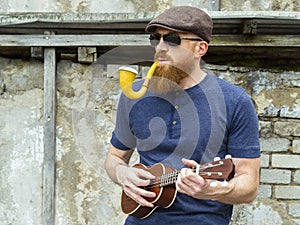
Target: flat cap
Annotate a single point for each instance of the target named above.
(184, 19)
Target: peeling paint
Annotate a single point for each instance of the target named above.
(22, 155)
(83, 184)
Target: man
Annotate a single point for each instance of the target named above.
(186, 118)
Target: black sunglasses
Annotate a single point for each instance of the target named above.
(171, 39)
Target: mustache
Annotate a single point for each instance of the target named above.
(162, 55)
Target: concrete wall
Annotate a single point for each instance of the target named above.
(87, 96)
(93, 6)
(84, 194)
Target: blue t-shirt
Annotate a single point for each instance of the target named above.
(213, 118)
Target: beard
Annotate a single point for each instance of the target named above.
(167, 77)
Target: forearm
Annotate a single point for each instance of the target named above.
(243, 188)
(239, 190)
(111, 165)
(114, 161)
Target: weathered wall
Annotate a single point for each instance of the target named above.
(87, 96)
(83, 194)
(86, 106)
(91, 6)
(21, 141)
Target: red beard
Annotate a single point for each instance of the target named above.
(166, 78)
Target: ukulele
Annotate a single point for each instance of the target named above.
(164, 185)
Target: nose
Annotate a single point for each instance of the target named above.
(161, 46)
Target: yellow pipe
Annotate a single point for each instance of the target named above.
(127, 76)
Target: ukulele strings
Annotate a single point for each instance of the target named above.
(170, 178)
(164, 180)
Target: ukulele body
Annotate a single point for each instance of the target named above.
(165, 195)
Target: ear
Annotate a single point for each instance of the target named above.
(200, 49)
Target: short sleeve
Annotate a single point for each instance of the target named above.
(122, 136)
(243, 138)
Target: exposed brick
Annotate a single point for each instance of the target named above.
(296, 146)
(276, 176)
(287, 192)
(265, 129)
(294, 209)
(264, 191)
(289, 112)
(285, 161)
(264, 160)
(297, 177)
(287, 128)
(291, 79)
(274, 144)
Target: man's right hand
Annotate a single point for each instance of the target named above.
(132, 180)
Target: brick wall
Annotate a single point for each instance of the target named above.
(276, 95)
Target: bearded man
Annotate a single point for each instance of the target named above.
(187, 118)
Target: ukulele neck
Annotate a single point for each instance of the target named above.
(218, 170)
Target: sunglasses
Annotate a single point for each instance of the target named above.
(170, 39)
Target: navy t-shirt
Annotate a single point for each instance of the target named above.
(213, 118)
